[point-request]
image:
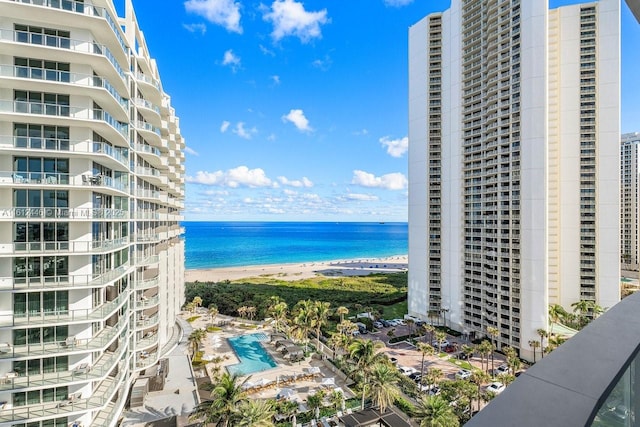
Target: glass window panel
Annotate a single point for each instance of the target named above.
(48, 364)
(62, 199)
(20, 232)
(20, 366)
(19, 198)
(49, 334)
(33, 367)
(62, 393)
(33, 267)
(62, 265)
(34, 232)
(49, 165)
(35, 164)
(34, 303)
(62, 166)
(33, 336)
(19, 337)
(63, 232)
(35, 199)
(33, 397)
(49, 301)
(49, 198)
(20, 304)
(19, 399)
(62, 332)
(49, 231)
(62, 363)
(48, 395)
(49, 266)
(62, 300)
(20, 164)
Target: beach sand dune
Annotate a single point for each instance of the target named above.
(338, 268)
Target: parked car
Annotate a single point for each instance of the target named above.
(377, 325)
(463, 374)
(496, 387)
(407, 370)
(444, 344)
(399, 322)
(416, 376)
(431, 389)
(394, 360)
(502, 369)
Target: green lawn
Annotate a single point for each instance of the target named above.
(396, 311)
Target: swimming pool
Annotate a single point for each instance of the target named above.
(253, 357)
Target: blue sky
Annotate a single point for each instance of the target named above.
(297, 110)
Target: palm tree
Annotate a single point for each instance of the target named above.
(213, 311)
(410, 323)
(428, 329)
(512, 358)
(320, 316)
(342, 311)
(314, 402)
(543, 334)
(426, 350)
(494, 333)
(484, 348)
(534, 345)
(242, 311)
(288, 408)
(279, 313)
(195, 340)
(557, 313)
(364, 354)
(383, 386)
(228, 395)
(302, 322)
(251, 312)
(255, 413)
(347, 327)
(468, 351)
(197, 301)
(336, 397)
(479, 378)
(434, 411)
(441, 337)
(434, 376)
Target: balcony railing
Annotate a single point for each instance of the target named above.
(74, 247)
(61, 110)
(84, 8)
(98, 342)
(63, 213)
(64, 316)
(87, 80)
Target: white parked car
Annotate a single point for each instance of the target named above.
(496, 387)
(407, 370)
(463, 374)
(443, 345)
(502, 369)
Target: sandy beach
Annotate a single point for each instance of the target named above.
(338, 268)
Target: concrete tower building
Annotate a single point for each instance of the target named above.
(629, 193)
(91, 193)
(513, 163)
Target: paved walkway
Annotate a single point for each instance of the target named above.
(179, 396)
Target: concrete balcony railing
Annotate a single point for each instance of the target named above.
(77, 280)
(97, 343)
(66, 316)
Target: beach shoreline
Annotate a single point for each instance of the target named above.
(298, 271)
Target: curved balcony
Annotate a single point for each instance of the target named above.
(148, 238)
(80, 374)
(151, 154)
(116, 158)
(146, 359)
(150, 339)
(63, 317)
(64, 281)
(148, 110)
(100, 399)
(146, 194)
(140, 285)
(77, 85)
(146, 302)
(114, 130)
(150, 132)
(145, 322)
(151, 175)
(68, 14)
(98, 343)
(150, 87)
(76, 214)
(148, 261)
(62, 248)
(19, 43)
(29, 179)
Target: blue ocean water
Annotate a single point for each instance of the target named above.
(234, 244)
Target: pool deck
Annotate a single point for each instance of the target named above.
(303, 378)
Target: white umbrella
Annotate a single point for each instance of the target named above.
(247, 385)
(263, 382)
(313, 370)
(329, 381)
(286, 393)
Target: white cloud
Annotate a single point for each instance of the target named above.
(191, 151)
(241, 176)
(397, 3)
(271, 137)
(242, 132)
(362, 197)
(266, 51)
(390, 181)
(290, 19)
(361, 132)
(297, 117)
(323, 64)
(231, 60)
(195, 28)
(395, 147)
(224, 126)
(219, 12)
(275, 79)
(304, 182)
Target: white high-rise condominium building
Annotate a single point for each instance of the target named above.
(513, 163)
(629, 193)
(91, 193)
